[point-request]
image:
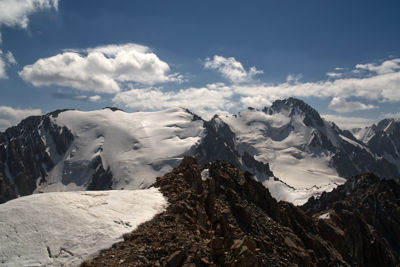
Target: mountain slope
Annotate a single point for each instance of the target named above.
(134, 147)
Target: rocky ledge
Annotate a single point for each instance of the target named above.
(226, 218)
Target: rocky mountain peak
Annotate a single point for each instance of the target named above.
(293, 106)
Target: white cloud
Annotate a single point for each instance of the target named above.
(11, 116)
(339, 69)
(101, 69)
(68, 95)
(205, 101)
(231, 69)
(378, 87)
(94, 98)
(15, 13)
(221, 97)
(389, 115)
(349, 122)
(334, 74)
(388, 66)
(339, 104)
(6, 59)
(3, 74)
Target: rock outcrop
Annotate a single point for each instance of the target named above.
(228, 219)
(26, 154)
(365, 212)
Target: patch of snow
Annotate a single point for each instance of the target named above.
(352, 142)
(63, 229)
(282, 192)
(205, 174)
(364, 134)
(324, 216)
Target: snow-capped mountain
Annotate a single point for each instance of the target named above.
(302, 148)
(383, 139)
(70, 150)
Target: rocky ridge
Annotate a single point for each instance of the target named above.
(223, 217)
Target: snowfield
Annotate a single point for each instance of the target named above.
(63, 229)
(137, 147)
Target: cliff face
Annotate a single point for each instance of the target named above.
(223, 217)
(364, 202)
(27, 152)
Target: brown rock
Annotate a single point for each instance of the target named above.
(176, 259)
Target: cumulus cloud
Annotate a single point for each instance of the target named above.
(101, 69)
(205, 101)
(11, 116)
(388, 66)
(231, 69)
(339, 104)
(15, 13)
(349, 123)
(6, 59)
(72, 96)
(334, 74)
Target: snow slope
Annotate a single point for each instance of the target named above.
(136, 147)
(63, 229)
(283, 141)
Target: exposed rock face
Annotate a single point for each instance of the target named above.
(363, 203)
(229, 219)
(219, 143)
(26, 156)
(383, 139)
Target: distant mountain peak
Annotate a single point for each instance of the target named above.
(296, 106)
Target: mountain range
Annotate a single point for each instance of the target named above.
(288, 147)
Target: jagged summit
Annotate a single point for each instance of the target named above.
(293, 106)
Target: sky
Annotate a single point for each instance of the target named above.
(213, 57)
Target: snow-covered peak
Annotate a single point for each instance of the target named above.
(293, 106)
(134, 147)
(298, 154)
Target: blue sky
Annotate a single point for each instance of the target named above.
(342, 57)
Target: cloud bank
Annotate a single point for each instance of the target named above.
(340, 105)
(349, 123)
(381, 83)
(101, 69)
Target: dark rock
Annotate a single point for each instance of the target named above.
(175, 260)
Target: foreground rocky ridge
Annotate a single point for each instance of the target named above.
(226, 218)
